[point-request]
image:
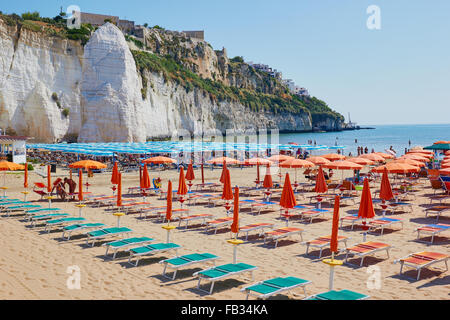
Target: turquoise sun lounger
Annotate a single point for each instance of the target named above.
(151, 250)
(125, 243)
(339, 295)
(19, 208)
(47, 217)
(221, 272)
(78, 227)
(185, 261)
(31, 213)
(62, 222)
(268, 288)
(104, 233)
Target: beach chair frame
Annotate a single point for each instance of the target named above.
(362, 255)
(419, 267)
(188, 263)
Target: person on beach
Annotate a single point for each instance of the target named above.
(366, 150)
(72, 185)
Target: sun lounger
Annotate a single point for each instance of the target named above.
(185, 261)
(192, 200)
(177, 212)
(255, 227)
(151, 250)
(437, 210)
(339, 295)
(195, 217)
(383, 223)
(268, 288)
(104, 233)
(125, 243)
(276, 235)
(367, 248)
(314, 213)
(432, 229)
(133, 205)
(33, 212)
(221, 272)
(145, 211)
(46, 217)
(21, 208)
(259, 206)
(353, 219)
(80, 227)
(62, 222)
(5, 205)
(422, 260)
(400, 206)
(323, 242)
(209, 185)
(218, 224)
(215, 201)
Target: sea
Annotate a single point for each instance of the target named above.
(382, 137)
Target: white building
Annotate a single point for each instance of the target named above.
(14, 146)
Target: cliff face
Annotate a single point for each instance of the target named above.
(53, 88)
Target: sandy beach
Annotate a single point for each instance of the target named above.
(33, 264)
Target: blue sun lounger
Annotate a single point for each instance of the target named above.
(268, 288)
(125, 243)
(339, 295)
(78, 227)
(62, 222)
(221, 272)
(46, 217)
(104, 233)
(185, 261)
(151, 250)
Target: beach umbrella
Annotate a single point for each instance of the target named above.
(439, 146)
(366, 210)
(393, 167)
(190, 172)
(333, 156)
(25, 178)
(140, 177)
(182, 188)
(80, 185)
(335, 227)
(10, 166)
(257, 162)
(373, 157)
(424, 153)
(321, 186)
(87, 164)
(169, 202)
(280, 158)
(268, 183)
(361, 161)
(119, 191)
(411, 162)
(287, 200)
(296, 163)
(115, 174)
(221, 160)
(343, 165)
(235, 225)
(159, 160)
(415, 157)
(145, 178)
(227, 193)
(318, 160)
(385, 155)
(49, 179)
(222, 175)
(203, 175)
(385, 190)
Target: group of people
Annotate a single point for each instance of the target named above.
(60, 187)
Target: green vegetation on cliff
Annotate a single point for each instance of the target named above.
(256, 101)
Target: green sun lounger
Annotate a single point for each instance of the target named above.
(339, 295)
(268, 288)
(104, 233)
(218, 273)
(37, 211)
(125, 243)
(62, 222)
(21, 208)
(151, 250)
(187, 260)
(5, 205)
(77, 227)
(47, 217)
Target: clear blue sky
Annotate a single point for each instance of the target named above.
(399, 74)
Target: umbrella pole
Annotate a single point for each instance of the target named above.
(332, 263)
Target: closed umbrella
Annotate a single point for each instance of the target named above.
(182, 188)
(287, 200)
(169, 202)
(190, 176)
(385, 190)
(227, 193)
(49, 180)
(335, 228)
(235, 225)
(366, 210)
(146, 184)
(80, 185)
(224, 169)
(25, 178)
(321, 185)
(119, 191)
(115, 174)
(203, 174)
(268, 183)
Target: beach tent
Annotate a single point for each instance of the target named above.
(439, 146)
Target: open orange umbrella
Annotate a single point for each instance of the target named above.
(280, 158)
(49, 180)
(87, 164)
(321, 185)
(10, 166)
(169, 202)
(115, 174)
(361, 161)
(415, 157)
(296, 163)
(287, 200)
(25, 178)
(145, 178)
(190, 172)
(373, 157)
(119, 191)
(343, 165)
(318, 160)
(393, 167)
(80, 185)
(159, 160)
(221, 160)
(256, 161)
(335, 227)
(411, 162)
(385, 155)
(268, 183)
(366, 210)
(235, 225)
(333, 156)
